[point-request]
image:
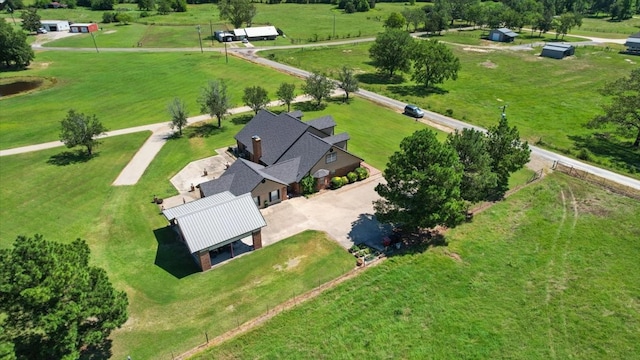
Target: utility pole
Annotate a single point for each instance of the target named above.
(94, 41)
(211, 28)
(225, 53)
(334, 26)
(200, 39)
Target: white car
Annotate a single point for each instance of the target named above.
(42, 31)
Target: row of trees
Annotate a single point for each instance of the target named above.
(429, 183)
(395, 50)
(215, 101)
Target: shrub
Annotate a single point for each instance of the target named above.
(585, 154)
(345, 180)
(362, 173)
(336, 182)
(108, 17)
(308, 185)
(352, 177)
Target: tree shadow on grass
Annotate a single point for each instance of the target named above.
(100, 351)
(172, 255)
(71, 157)
(418, 242)
(203, 130)
(242, 119)
(309, 106)
(609, 147)
(378, 78)
(416, 90)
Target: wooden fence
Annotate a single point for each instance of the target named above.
(595, 179)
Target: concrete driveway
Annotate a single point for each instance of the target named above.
(345, 214)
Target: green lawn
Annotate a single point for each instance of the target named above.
(549, 101)
(551, 273)
(478, 37)
(171, 305)
(122, 89)
(605, 28)
(313, 22)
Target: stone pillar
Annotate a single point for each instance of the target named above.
(283, 194)
(205, 260)
(257, 239)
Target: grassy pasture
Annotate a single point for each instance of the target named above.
(171, 306)
(549, 100)
(313, 22)
(603, 27)
(122, 89)
(477, 37)
(551, 273)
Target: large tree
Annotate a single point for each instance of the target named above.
(14, 49)
(422, 188)
(237, 11)
(508, 153)
(319, 87)
(478, 181)
(433, 63)
(347, 81)
(255, 97)
(214, 100)
(391, 51)
(624, 109)
(146, 5)
(57, 305)
(79, 129)
(30, 20)
(179, 115)
(395, 21)
(286, 94)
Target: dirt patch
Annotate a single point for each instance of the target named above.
(477, 50)
(489, 64)
(290, 264)
(454, 256)
(109, 32)
(346, 51)
(230, 308)
(594, 206)
(630, 61)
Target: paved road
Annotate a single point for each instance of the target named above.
(250, 54)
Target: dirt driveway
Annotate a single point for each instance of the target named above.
(345, 214)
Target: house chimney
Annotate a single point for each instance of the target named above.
(257, 149)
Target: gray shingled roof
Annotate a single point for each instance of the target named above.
(310, 149)
(286, 171)
(337, 138)
(241, 177)
(296, 114)
(227, 220)
(277, 133)
(507, 32)
(197, 205)
(322, 123)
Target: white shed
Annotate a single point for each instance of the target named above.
(55, 25)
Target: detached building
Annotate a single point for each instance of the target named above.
(250, 33)
(84, 28)
(55, 25)
(502, 35)
(557, 50)
(633, 44)
(208, 224)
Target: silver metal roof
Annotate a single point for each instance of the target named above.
(261, 31)
(197, 205)
(227, 220)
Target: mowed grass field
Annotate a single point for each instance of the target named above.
(171, 305)
(312, 22)
(122, 89)
(550, 273)
(550, 101)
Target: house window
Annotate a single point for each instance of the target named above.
(331, 157)
(274, 195)
(256, 200)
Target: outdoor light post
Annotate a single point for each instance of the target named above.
(504, 111)
(200, 38)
